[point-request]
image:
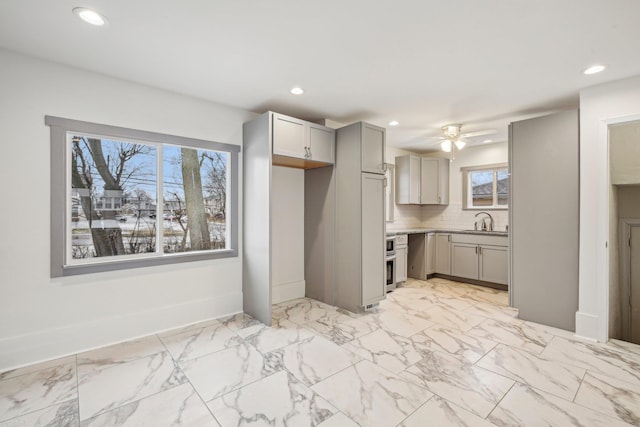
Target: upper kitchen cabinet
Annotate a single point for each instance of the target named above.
(408, 180)
(301, 144)
(434, 181)
(422, 180)
(372, 149)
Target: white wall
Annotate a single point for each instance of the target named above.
(624, 153)
(287, 234)
(452, 215)
(40, 317)
(599, 106)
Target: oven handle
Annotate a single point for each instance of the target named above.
(390, 257)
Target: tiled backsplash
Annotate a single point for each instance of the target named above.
(453, 216)
(406, 216)
(436, 216)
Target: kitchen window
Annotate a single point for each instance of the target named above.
(123, 198)
(485, 187)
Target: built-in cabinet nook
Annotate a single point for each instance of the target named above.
(313, 214)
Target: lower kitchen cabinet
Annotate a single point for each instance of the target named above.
(431, 253)
(480, 258)
(464, 260)
(401, 264)
(493, 264)
(443, 253)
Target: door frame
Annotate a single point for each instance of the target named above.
(600, 319)
(625, 226)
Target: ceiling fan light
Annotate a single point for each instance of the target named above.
(446, 146)
(460, 144)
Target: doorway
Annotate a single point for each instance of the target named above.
(624, 232)
(630, 279)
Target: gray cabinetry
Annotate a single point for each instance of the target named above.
(299, 139)
(431, 253)
(373, 237)
(289, 136)
(443, 253)
(493, 262)
(260, 268)
(372, 154)
(360, 223)
(407, 180)
(401, 257)
(464, 260)
(480, 257)
(321, 143)
(422, 180)
(544, 218)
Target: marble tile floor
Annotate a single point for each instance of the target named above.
(434, 352)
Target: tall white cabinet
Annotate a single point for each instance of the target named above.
(360, 223)
(276, 140)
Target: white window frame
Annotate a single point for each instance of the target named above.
(61, 264)
(467, 194)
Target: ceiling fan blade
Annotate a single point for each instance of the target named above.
(479, 133)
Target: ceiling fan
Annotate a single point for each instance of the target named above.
(453, 137)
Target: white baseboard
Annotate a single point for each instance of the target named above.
(287, 291)
(586, 326)
(48, 344)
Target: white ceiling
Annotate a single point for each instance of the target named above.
(425, 63)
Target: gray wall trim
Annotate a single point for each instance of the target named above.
(120, 132)
(59, 227)
(58, 200)
(146, 262)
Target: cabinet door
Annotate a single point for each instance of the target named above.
(289, 137)
(401, 264)
(321, 143)
(429, 184)
(373, 139)
(443, 253)
(494, 264)
(430, 253)
(443, 184)
(464, 260)
(373, 239)
(414, 180)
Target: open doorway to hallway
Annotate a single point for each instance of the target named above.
(624, 232)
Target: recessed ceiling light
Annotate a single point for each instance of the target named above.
(594, 69)
(90, 16)
(297, 91)
(394, 123)
(486, 141)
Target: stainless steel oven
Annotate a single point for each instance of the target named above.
(390, 263)
(391, 245)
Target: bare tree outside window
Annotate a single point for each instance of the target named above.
(194, 202)
(101, 171)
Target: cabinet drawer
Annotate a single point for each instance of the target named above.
(402, 239)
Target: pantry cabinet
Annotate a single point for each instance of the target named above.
(360, 275)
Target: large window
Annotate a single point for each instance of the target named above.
(122, 198)
(485, 187)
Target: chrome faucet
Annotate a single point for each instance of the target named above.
(484, 223)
